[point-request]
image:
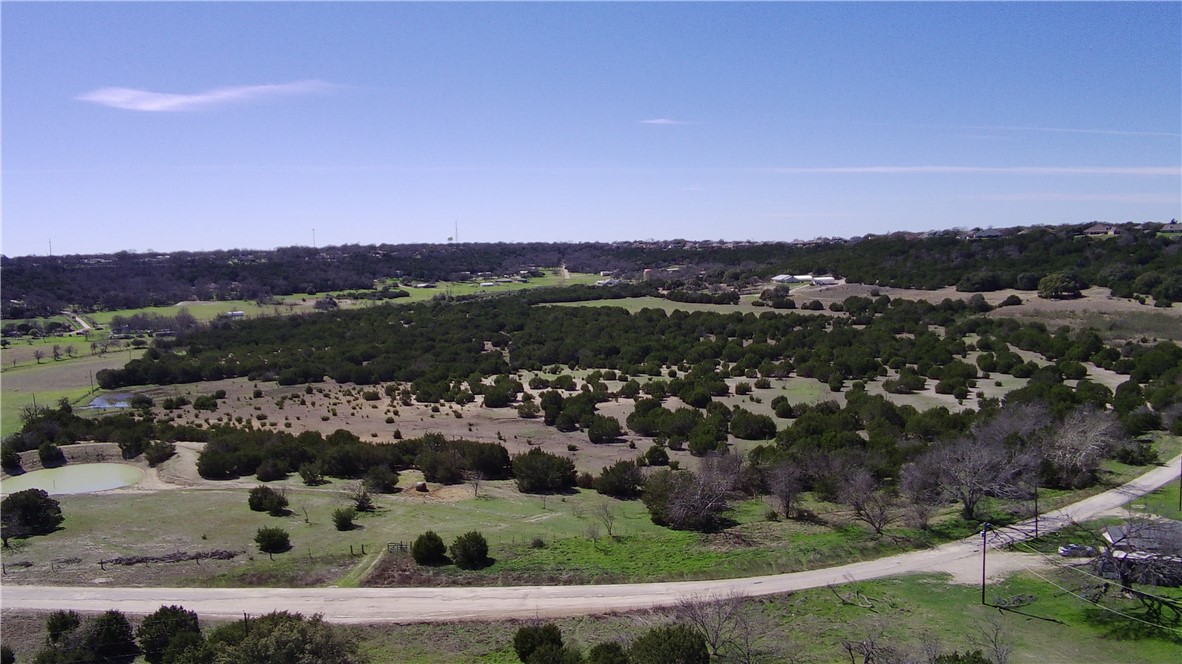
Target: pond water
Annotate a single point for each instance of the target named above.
(79, 478)
(112, 400)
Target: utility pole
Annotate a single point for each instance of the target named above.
(984, 546)
(1036, 507)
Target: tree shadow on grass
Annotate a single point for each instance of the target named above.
(1131, 625)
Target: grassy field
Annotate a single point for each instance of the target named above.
(50, 381)
(809, 626)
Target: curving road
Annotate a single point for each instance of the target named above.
(405, 605)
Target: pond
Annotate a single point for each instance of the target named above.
(78, 478)
(112, 400)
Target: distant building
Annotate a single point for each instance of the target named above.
(824, 281)
(1097, 230)
(235, 314)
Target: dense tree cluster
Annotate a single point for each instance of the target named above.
(233, 452)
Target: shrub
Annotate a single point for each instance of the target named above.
(60, 623)
(109, 637)
(670, 643)
(205, 402)
(603, 429)
(159, 451)
(312, 473)
(428, 549)
(342, 518)
(160, 628)
(51, 455)
(29, 512)
(266, 499)
(537, 471)
(533, 638)
(270, 470)
(607, 653)
(380, 479)
(10, 459)
(272, 540)
(656, 456)
(470, 551)
(622, 479)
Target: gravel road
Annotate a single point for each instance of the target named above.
(407, 605)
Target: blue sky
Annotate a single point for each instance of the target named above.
(192, 126)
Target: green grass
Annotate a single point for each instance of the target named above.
(50, 381)
(811, 624)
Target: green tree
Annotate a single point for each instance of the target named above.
(429, 549)
(29, 512)
(109, 638)
(669, 644)
(50, 455)
(622, 479)
(60, 624)
(607, 653)
(1058, 286)
(538, 471)
(272, 540)
(282, 638)
(470, 551)
(604, 429)
(342, 518)
(266, 499)
(159, 629)
(529, 639)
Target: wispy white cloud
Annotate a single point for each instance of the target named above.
(1142, 171)
(132, 99)
(664, 121)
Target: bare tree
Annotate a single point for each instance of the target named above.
(474, 479)
(606, 513)
(871, 504)
(362, 500)
(1141, 551)
(872, 648)
(697, 500)
(970, 469)
(38, 355)
(57, 351)
(1087, 436)
(923, 493)
(992, 640)
(785, 480)
(70, 351)
(717, 618)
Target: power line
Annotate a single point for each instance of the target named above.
(1097, 604)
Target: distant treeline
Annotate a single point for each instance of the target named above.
(1136, 261)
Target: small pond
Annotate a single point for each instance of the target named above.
(112, 400)
(77, 478)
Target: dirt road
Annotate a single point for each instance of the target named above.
(406, 605)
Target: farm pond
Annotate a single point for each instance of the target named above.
(78, 478)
